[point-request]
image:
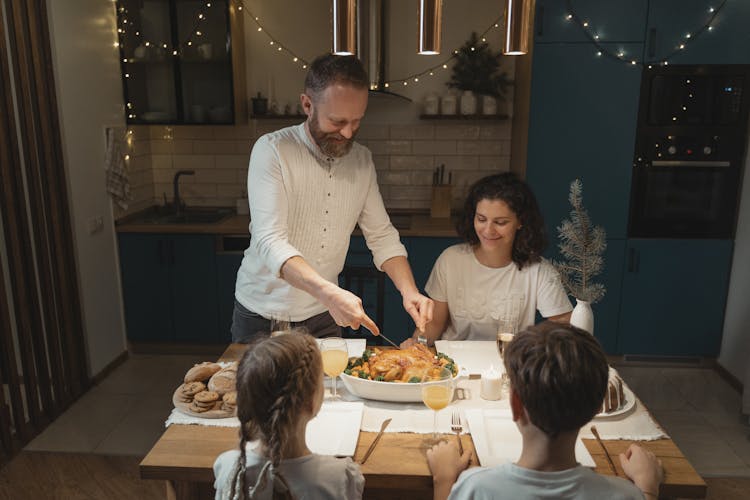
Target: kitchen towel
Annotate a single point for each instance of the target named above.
(118, 184)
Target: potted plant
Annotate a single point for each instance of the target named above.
(582, 245)
(477, 69)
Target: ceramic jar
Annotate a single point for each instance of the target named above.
(448, 104)
(468, 103)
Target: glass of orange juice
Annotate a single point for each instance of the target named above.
(335, 357)
(437, 393)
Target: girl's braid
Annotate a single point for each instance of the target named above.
(288, 404)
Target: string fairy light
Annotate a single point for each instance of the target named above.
(595, 38)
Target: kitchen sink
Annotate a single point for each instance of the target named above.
(194, 215)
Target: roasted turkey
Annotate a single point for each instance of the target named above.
(400, 365)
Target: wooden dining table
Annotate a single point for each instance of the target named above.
(183, 458)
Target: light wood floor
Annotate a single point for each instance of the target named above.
(72, 476)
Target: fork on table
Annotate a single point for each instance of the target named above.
(457, 428)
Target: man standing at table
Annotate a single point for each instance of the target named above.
(308, 186)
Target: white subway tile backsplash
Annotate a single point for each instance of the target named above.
(444, 147)
(214, 147)
(404, 156)
(456, 131)
(232, 161)
(419, 132)
(412, 162)
(390, 147)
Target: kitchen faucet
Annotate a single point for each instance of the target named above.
(178, 204)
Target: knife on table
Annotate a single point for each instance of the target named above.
(375, 441)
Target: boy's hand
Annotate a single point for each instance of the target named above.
(446, 465)
(643, 468)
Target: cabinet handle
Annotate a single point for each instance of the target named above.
(633, 260)
(652, 42)
(540, 20)
(171, 252)
(162, 250)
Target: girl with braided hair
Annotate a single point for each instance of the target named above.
(279, 390)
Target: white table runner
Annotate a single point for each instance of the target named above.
(416, 417)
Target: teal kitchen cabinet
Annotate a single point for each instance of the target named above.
(582, 125)
(621, 21)
(669, 23)
(227, 266)
(673, 297)
(169, 287)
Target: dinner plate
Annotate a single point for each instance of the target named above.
(498, 441)
(475, 356)
(335, 429)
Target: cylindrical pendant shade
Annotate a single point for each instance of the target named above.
(345, 27)
(430, 21)
(517, 25)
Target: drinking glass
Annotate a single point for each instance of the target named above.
(335, 357)
(280, 326)
(437, 393)
(506, 330)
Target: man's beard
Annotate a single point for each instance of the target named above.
(330, 143)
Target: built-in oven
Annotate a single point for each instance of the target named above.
(689, 151)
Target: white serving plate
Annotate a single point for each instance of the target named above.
(498, 441)
(398, 392)
(625, 408)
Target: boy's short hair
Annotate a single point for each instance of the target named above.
(560, 373)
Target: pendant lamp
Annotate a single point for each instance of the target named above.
(345, 27)
(516, 24)
(430, 21)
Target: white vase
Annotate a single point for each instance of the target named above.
(582, 316)
(489, 105)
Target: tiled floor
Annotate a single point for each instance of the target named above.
(125, 414)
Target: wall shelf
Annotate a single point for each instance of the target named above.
(463, 117)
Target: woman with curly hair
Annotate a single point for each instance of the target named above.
(279, 390)
(498, 273)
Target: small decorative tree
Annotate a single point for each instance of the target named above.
(477, 69)
(582, 246)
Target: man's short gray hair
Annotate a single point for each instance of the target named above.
(329, 69)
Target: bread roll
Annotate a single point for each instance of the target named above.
(223, 381)
(201, 372)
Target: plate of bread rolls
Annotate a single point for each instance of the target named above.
(208, 390)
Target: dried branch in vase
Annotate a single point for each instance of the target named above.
(582, 245)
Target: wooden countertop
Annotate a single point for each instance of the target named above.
(406, 224)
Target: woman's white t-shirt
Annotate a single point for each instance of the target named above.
(479, 296)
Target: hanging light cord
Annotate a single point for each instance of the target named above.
(297, 59)
(595, 39)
